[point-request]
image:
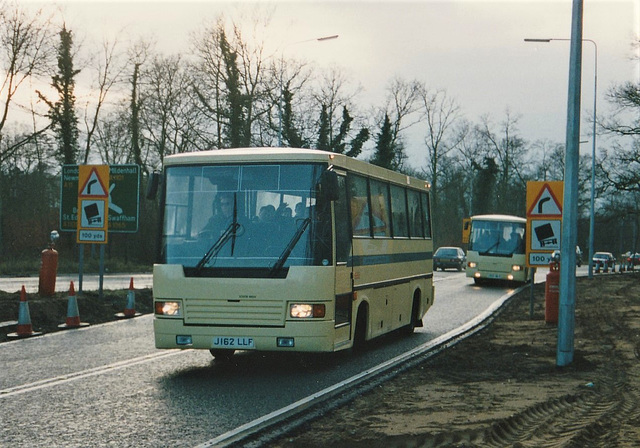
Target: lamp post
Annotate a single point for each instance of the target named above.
(593, 147)
(317, 39)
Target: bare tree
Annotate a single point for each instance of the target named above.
(229, 84)
(138, 55)
(625, 120)
(547, 160)
(400, 108)
(27, 51)
(108, 72)
(168, 114)
(508, 149)
(440, 114)
(112, 139)
(470, 155)
(295, 112)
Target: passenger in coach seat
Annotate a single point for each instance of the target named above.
(221, 218)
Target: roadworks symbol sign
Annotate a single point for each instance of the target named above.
(92, 214)
(545, 235)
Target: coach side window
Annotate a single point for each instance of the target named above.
(399, 212)
(343, 232)
(416, 227)
(359, 196)
(426, 210)
(380, 208)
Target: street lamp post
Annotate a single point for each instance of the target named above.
(593, 147)
(317, 39)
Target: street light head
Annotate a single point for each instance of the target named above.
(321, 39)
(538, 40)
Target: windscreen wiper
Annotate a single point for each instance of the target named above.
(292, 243)
(495, 246)
(230, 232)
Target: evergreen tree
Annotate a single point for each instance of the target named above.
(238, 134)
(289, 132)
(355, 145)
(358, 142)
(62, 112)
(484, 186)
(384, 151)
(338, 143)
(134, 123)
(324, 132)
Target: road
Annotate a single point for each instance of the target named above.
(107, 385)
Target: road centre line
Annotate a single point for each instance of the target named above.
(63, 379)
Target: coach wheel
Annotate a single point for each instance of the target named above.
(413, 321)
(222, 355)
(360, 332)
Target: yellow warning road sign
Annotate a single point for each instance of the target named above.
(92, 179)
(544, 199)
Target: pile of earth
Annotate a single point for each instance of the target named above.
(47, 313)
(503, 388)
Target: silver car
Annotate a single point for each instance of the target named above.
(604, 260)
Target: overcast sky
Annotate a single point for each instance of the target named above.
(474, 49)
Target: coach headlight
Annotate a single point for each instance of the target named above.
(516, 268)
(306, 310)
(170, 308)
(472, 264)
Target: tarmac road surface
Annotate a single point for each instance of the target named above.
(107, 385)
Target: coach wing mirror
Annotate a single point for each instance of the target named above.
(153, 184)
(328, 186)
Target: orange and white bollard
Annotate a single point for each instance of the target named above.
(130, 307)
(73, 314)
(24, 328)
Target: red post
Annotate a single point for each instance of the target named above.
(48, 272)
(552, 294)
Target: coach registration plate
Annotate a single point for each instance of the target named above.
(238, 343)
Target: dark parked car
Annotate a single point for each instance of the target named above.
(604, 260)
(449, 257)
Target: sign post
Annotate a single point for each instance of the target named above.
(544, 224)
(92, 212)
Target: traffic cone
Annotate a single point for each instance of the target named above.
(130, 308)
(24, 328)
(73, 315)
